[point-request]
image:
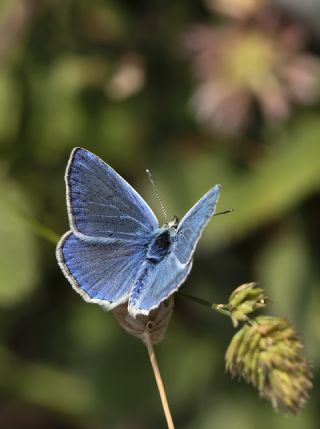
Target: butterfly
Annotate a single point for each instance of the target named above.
(115, 251)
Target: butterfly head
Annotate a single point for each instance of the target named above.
(173, 224)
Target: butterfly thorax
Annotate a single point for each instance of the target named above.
(161, 242)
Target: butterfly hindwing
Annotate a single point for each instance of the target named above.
(102, 273)
(156, 283)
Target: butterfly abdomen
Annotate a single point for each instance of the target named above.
(139, 283)
(159, 247)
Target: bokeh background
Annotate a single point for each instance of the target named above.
(200, 92)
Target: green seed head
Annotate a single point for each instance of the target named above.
(244, 300)
(268, 355)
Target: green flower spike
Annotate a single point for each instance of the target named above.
(268, 354)
(244, 300)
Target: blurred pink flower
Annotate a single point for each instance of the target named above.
(238, 66)
(128, 78)
(237, 9)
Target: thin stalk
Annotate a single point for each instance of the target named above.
(36, 226)
(158, 378)
(40, 229)
(220, 308)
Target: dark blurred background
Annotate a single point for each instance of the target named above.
(200, 92)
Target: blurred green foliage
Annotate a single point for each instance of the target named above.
(67, 364)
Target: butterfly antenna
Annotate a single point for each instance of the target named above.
(156, 192)
(224, 212)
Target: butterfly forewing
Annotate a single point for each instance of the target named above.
(192, 224)
(102, 204)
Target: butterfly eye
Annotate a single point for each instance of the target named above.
(173, 224)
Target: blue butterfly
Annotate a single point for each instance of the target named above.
(115, 250)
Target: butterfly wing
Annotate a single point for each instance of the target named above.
(101, 273)
(157, 284)
(163, 279)
(101, 203)
(110, 225)
(192, 224)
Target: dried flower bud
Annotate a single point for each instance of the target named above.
(268, 355)
(155, 323)
(244, 300)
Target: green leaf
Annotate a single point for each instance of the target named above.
(45, 386)
(18, 251)
(283, 266)
(280, 181)
(10, 105)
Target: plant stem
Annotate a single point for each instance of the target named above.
(36, 226)
(158, 378)
(220, 308)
